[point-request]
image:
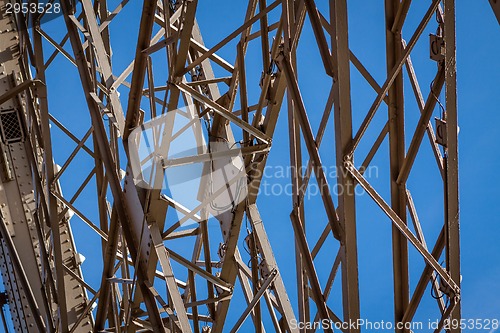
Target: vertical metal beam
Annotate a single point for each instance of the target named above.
(301, 113)
(109, 258)
(187, 24)
(103, 59)
(173, 290)
(316, 291)
(264, 38)
(343, 139)
(451, 190)
(52, 200)
(394, 48)
(268, 255)
(296, 178)
(143, 42)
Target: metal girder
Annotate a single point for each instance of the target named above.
(396, 130)
(343, 138)
(337, 230)
(52, 216)
(311, 271)
(145, 30)
(452, 214)
(394, 72)
(37, 248)
(104, 61)
(122, 206)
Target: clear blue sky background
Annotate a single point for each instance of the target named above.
(478, 41)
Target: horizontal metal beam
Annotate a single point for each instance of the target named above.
(200, 158)
(13, 92)
(223, 112)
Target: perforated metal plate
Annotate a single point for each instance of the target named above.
(10, 124)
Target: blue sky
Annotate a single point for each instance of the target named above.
(478, 42)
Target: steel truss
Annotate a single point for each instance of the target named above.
(141, 288)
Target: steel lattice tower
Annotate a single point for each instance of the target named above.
(148, 282)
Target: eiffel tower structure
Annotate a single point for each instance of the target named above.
(167, 266)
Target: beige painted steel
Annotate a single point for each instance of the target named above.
(20, 211)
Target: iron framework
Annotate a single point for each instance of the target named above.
(138, 290)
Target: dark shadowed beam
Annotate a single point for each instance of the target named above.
(451, 159)
(139, 71)
(394, 49)
(343, 139)
(188, 22)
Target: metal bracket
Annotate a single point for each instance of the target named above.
(436, 47)
(6, 164)
(441, 132)
(18, 89)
